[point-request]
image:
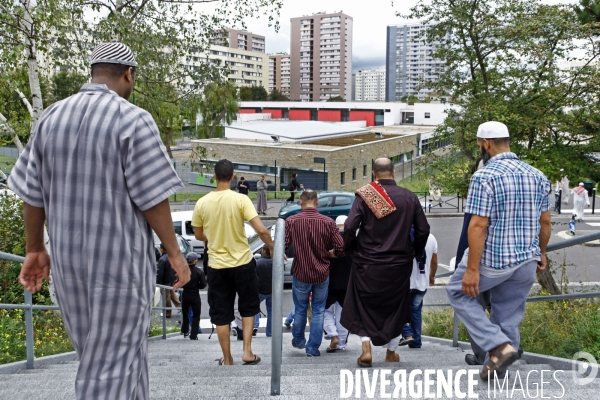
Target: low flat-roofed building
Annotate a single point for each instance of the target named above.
(340, 160)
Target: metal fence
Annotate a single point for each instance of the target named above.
(28, 307)
(558, 201)
(454, 203)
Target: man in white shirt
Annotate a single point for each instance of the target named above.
(422, 277)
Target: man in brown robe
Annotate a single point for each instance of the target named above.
(377, 303)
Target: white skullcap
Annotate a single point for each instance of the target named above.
(113, 53)
(341, 219)
(492, 130)
(580, 183)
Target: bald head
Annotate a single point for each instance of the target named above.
(383, 168)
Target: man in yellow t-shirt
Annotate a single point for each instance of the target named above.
(219, 219)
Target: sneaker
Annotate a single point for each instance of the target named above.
(288, 326)
(254, 331)
(186, 335)
(404, 342)
(194, 338)
(317, 354)
(294, 345)
(234, 331)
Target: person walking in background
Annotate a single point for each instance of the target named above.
(565, 189)
(261, 190)
(509, 203)
(95, 168)
(435, 192)
(242, 186)
(339, 274)
(316, 239)
(165, 275)
(423, 276)
(580, 201)
(218, 219)
(190, 298)
(293, 187)
(377, 304)
(264, 269)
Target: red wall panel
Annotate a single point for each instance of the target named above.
(247, 111)
(368, 116)
(274, 113)
(330, 115)
(300, 115)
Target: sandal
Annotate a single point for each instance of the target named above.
(330, 350)
(363, 364)
(504, 361)
(256, 361)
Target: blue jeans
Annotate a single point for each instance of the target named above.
(414, 329)
(300, 293)
(257, 320)
(290, 318)
(267, 298)
(191, 316)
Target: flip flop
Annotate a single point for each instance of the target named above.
(362, 364)
(256, 361)
(220, 360)
(330, 350)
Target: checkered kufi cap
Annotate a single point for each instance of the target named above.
(113, 53)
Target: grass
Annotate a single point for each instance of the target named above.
(7, 163)
(554, 328)
(50, 335)
(417, 184)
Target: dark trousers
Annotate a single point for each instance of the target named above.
(190, 300)
(291, 198)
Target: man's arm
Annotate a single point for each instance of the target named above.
(421, 229)
(433, 269)
(545, 232)
(476, 234)
(200, 235)
(37, 262)
(159, 218)
(353, 222)
(337, 242)
(263, 232)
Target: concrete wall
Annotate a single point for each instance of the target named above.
(338, 159)
(437, 113)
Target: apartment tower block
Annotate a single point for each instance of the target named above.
(279, 73)
(321, 57)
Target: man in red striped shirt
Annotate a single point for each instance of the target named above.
(316, 239)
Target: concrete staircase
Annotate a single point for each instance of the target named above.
(184, 369)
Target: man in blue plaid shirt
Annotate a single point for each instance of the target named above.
(508, 234)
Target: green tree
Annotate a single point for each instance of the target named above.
(66, 83)
(246, 93)
(502, 64)
(336, 99)
(219, 105)
(259, 93)
(411, 100)
(276, 95)
(588, 12)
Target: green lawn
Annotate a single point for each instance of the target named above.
(7, 163)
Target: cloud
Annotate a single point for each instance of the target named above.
(369, 62)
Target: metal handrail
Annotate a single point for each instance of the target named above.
(551, 247)
(277, 307)
(28, 307)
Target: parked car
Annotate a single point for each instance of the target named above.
(182, 222)
(184, 245)
(331, 204)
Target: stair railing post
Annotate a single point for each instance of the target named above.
(163, 293)
(455, 331)
(559, 201)
(29, 329)
(594, 201)
(277, 307)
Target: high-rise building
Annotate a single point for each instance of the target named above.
(243, 40)
(409, 61)
(370, 85)
(279, 73)
(244, 68)
(321, 55)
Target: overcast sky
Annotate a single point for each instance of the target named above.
(371, 17)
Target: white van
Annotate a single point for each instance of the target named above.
(182, 222)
